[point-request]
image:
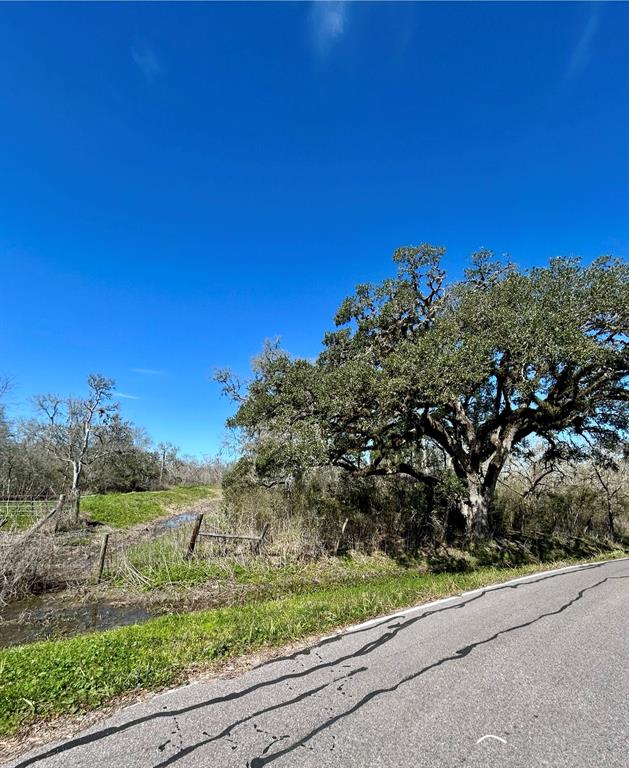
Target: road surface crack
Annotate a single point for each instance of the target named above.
(261, 761)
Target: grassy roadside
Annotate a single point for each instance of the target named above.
(122, 510)
(68, 676)
(159, 564)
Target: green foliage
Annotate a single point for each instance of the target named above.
(133, 467)
(122, 510)
(69, 676)
(392, 514)
(467, 370)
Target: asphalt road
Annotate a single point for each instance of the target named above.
(531, 673)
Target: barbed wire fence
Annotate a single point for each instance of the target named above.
(38, 554)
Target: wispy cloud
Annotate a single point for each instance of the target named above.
(328, 20)
(149, 371)
(580, 54)
(146, 61)
(125, 396)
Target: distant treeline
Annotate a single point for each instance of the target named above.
(85, 444)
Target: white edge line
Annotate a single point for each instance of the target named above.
(398, 615)
(422, 606)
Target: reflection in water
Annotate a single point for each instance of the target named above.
(44, 617)
(49, 616)
(175, 521)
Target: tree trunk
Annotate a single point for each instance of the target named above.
(610, 521)
(75, 494)
(76, 504)
(475, 506)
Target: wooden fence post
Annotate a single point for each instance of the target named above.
(59, 509)
(194, 536)
(261, 539)
(101, 558)
(46, 518)
(338, 541)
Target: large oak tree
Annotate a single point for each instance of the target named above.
(469, 369)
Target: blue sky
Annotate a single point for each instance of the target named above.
(180, 182)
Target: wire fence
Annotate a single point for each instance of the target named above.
(23, 513)
(41, 548)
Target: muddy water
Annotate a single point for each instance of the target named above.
(51, 616)
(174, 522)
(45, 617)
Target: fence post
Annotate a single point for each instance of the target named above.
(101, 558)
(194, 536)
(338, 541)
(261, 539)
(40, 523)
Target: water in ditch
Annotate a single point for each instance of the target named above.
(46, 616)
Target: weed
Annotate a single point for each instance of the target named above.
(67, 676)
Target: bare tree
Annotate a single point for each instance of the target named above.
(167, 455)
(5, 385)
(79, 431)
(5, 436)
(608, 473)
(529, 475)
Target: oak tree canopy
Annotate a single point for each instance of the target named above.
(420, 366)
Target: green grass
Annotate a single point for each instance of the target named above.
(68, 676)
(161, 563)
(153, 565)
(19, 516)
(122, 510)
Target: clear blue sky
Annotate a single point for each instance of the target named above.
(180, 182)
